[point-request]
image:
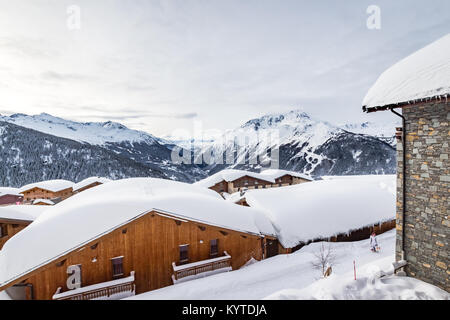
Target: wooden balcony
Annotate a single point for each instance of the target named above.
(110, 290)
(201, 267)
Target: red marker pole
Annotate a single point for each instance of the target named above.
(354, 268)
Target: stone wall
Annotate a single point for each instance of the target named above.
(427, 228)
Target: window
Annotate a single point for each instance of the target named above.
(3, 230)
(117, 267)
(184, 253)
(214, 248)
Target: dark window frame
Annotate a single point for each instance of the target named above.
(184, 253)
(214, 248)
(117, 267)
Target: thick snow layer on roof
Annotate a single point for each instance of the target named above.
(50, 185)
(324, 208)
(9, 191)
(21, 212)
(96, 211)
(88, 181)
(46, 201)
(277, 173)
(423, 74)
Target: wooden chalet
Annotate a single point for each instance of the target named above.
(55, 190)
(142, 251)
(231, 180)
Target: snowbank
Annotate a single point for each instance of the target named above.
(88, 181)
(50, 185)
(424, 74)
(21, 212)
(321, 209)
(96, 211)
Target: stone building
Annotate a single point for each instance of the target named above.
(419, 86)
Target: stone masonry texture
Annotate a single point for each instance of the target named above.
(427, 227)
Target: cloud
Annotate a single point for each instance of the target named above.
(58, 76)
(123, 117)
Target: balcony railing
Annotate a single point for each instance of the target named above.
(201, 267)
(115, 289)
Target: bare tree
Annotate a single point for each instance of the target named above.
(324, 259)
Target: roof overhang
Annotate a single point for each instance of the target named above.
(413, 103)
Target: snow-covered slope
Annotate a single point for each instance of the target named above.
(97, 133)
(424, 74)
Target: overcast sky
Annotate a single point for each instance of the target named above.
(161, 65)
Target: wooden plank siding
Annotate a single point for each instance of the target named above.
(11, 227)
(38, 193)
(149, 246)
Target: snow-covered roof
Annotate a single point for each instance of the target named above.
(324, 208)
(9, 191)
(46, 201)
(21, 212)
(50, 185)
(96, 211)
(422, 75)
(228, 175)
(277, 173)
(86, 182)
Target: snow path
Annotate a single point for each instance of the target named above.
(261, 279)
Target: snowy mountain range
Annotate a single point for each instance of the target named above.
(309, 146)
(305, 145)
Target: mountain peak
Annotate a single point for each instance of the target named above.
(97, 133)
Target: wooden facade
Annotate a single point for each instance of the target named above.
(9, 227)
(39, 193)
(148, 246)
(7, 199)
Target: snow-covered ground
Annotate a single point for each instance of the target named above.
(283, 277)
